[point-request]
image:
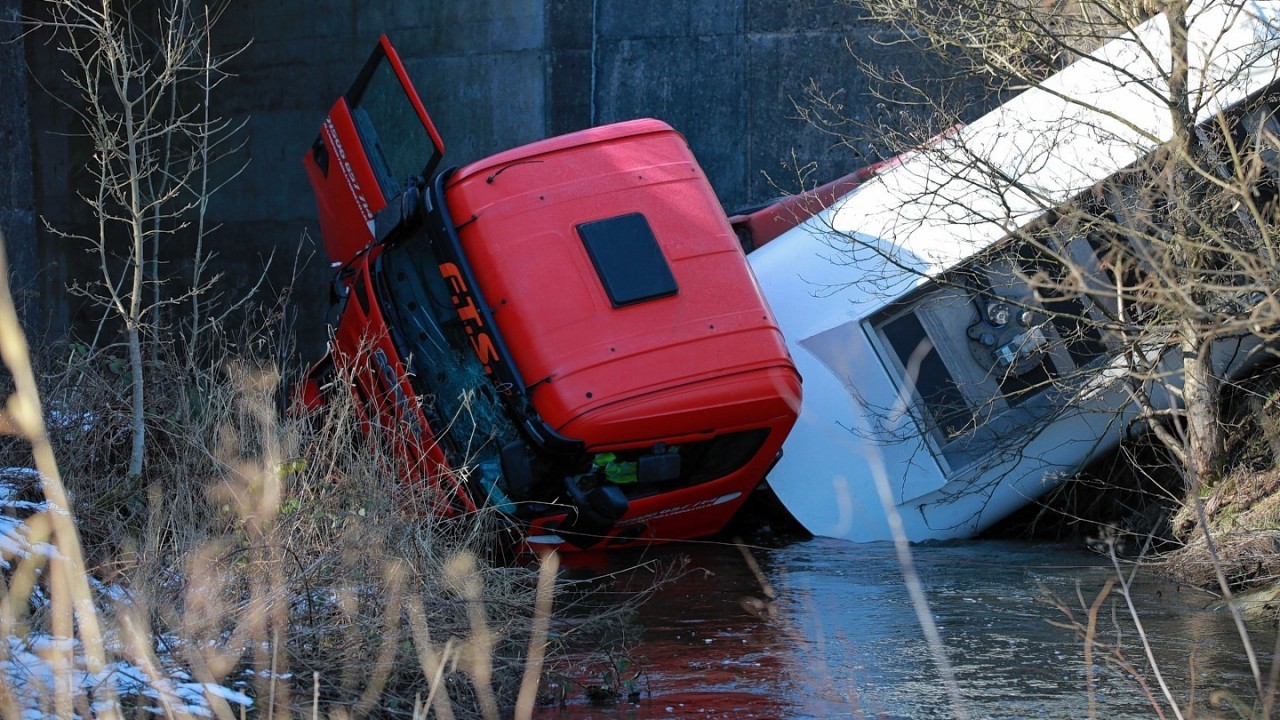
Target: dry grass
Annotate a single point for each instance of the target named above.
(257, 552)
(1242, 507)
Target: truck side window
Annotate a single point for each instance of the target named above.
(933, 382)
(391, 132)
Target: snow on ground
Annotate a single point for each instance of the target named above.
(15, 538)
(32, 680)
(28, 669)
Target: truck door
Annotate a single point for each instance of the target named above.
(376, 137)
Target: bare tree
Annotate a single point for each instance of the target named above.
(143, 75)
(1113, 222)
(1100, 250)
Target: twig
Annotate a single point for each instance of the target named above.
(1142, 634)
(538, 639)
(1090, 632)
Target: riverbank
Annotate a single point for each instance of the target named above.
(269, 561)
(1135, 502)
(263, 562)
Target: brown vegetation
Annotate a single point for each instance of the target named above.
(1241, 508)
(268, 554)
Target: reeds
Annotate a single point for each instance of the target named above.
(260, 566)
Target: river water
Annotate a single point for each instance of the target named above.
(828, 629)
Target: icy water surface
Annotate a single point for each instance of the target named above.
(842, 638)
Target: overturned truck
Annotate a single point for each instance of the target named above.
(971, 317)
(567, 332)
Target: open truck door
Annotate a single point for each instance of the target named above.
(375, 138)
(376, 146)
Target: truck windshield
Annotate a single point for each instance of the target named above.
(462, 405)
(469, 418)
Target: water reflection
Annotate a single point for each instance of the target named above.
(826, 629)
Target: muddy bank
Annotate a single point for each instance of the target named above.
(1136, 502)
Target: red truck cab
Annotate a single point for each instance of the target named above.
(568, 331)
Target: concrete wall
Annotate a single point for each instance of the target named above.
(17, 199)
(726, 73)
(493, 74)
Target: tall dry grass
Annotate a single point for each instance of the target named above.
(260, 566)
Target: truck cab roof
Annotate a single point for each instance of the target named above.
(650, 300)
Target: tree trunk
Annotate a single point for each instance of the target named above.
(139, 419)
(1200, 397)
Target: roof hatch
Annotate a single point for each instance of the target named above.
(627, 259)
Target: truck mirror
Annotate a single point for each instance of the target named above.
(660, 466)
(401, 214)
(517, 470)
(594, 512)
